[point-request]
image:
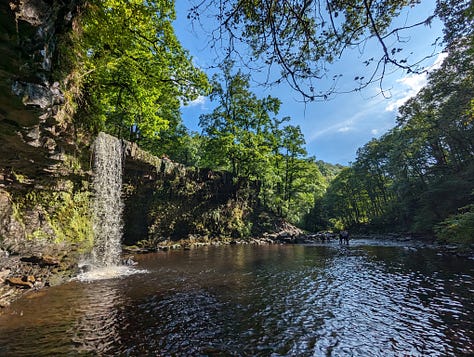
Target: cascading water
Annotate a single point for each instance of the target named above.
(107, 204)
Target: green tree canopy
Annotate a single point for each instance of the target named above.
(238, 128)
(243, 135)
(134, 69)
(419, 175)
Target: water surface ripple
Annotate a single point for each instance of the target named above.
(363, 300)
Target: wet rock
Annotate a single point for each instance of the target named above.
(11, 230)
(4, 303)
(85, 268)
(7, 295)
(39, 284)
(30, 131)
(4, 274)
(129, 261)
(50, 145)
(33, 94)
(286, 239)
(136, 250)
(302, 240)
(33, 136)
(20, 282)
(45, 260)
(283, 235)
(49, 261)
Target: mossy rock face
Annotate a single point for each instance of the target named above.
(164, 199)
(44, 195)
(41, 221)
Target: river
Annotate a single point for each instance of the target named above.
(367, 299)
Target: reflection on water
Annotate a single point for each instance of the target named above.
(362, 300)
(97, 324)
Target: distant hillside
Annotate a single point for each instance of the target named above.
(329, 171)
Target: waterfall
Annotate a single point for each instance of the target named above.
(107, 205)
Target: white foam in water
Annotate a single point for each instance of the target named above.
(110, 272)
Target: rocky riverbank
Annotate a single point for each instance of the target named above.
(283, 233)
(444, 248)
(22, 273)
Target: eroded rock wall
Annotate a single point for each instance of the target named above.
(165, 200)
(34, 132)
(43, 169)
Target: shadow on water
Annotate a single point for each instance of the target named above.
(359, 300)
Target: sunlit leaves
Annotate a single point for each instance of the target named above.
(420, 172)
(135, 68)
(242, 135)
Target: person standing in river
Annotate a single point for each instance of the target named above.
(344, 237)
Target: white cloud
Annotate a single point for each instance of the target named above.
(439, 60)
(340, 132)
(199, 101)
(341, 127)
(345, 129)
(351, 124)
(369, 117)
(410, 85)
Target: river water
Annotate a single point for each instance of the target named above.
(368, 299)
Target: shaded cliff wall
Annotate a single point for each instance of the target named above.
(43, 167)
(166, 200)
(34, 132)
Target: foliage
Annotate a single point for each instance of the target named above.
(237, 127)
(328, 170)
(192, 202)
(416, 176)
(64, 215)
(458, 17)
(70, 218)
(458, 228)
(244, 136)
(301, 38)
(134, 68)
(229, 220)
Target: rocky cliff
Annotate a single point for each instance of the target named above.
(43, 165)
(165, 200)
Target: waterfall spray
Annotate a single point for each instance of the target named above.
(107, 204)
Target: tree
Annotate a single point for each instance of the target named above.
(458, 18)
(133, 67)
(242, 135)
(418, 176)
(292, 145)
(238, 127)
(301, 38)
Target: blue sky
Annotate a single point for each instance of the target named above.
(333, 129)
